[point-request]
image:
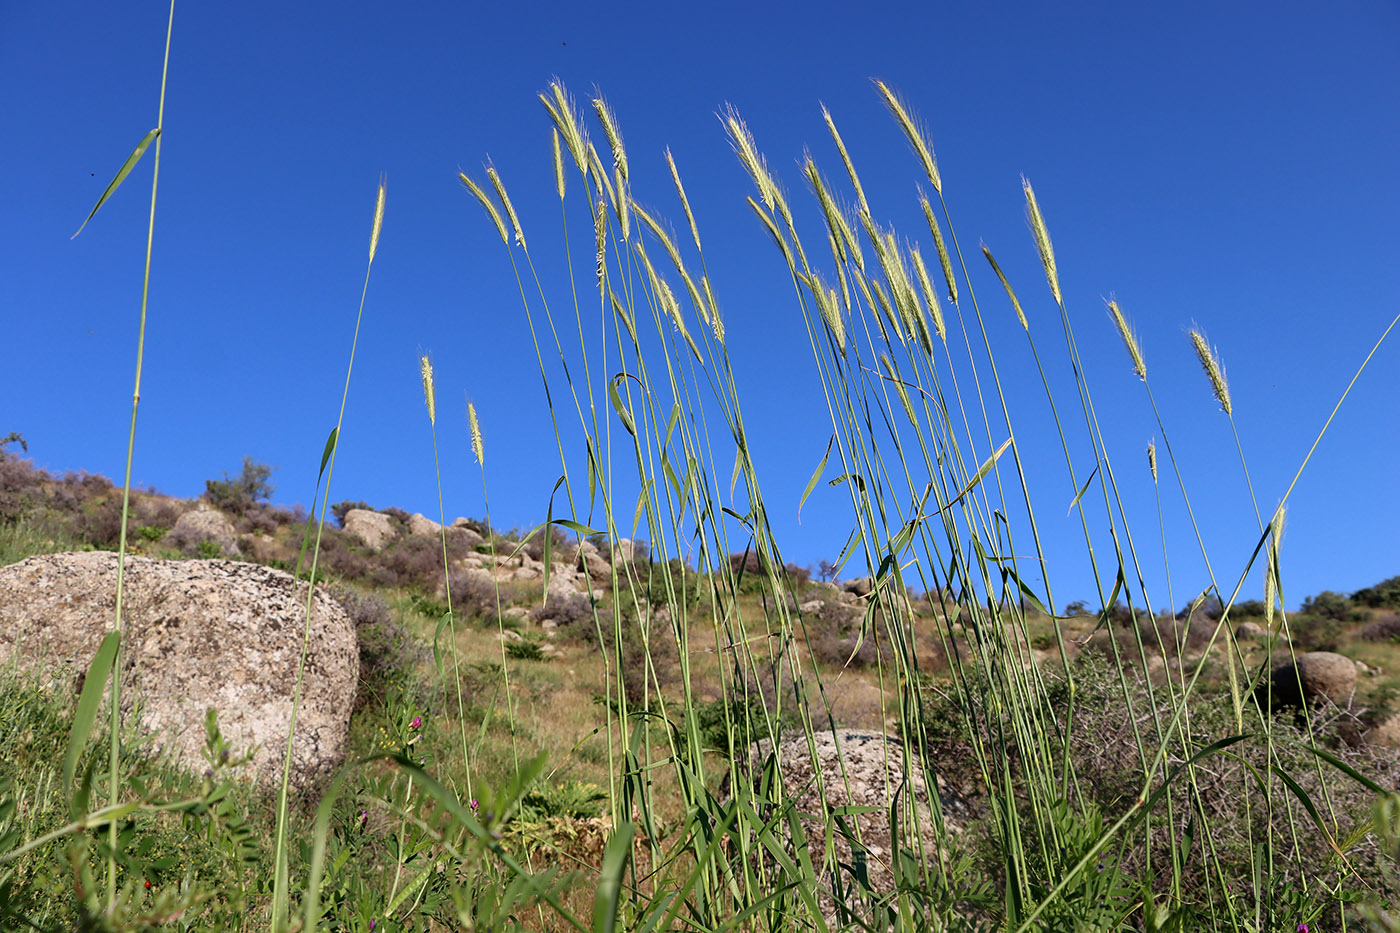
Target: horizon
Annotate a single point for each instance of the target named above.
(1203, 165)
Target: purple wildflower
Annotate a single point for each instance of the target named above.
(417, 723)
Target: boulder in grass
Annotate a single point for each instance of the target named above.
(204, 523)
(1315, 676)
(373, 529)
(196, 635)
(856, 768)
(1250, 630)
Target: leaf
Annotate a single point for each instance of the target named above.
(643, 498)
(330, 449)
(811, 483)
(610, 879)
(622, 410)
(1082, 490)
(124, 171)
(734, 480)
(93, 687)
(981, 474)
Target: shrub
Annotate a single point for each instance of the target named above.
(389, 656)
(19, 486)
(573, 614)
(1386, 628)
(834, 633)
(525, 651)
(1330, 605)
(235, 495)
(101, 524)
(1316, 633)
(341, 509)
(730, 726)
(474, 595)
(1384, 595)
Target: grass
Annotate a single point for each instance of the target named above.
(611, 785)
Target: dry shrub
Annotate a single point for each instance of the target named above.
(1172, 637)
(572, 613)
(100, 524)
(477, 595)
(389, 656)
(834, 633)
(19, 486)
(1386, 628)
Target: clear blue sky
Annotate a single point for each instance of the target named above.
(1227, 164)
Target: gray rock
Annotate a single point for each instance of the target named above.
(874, 765)
(373, 529)
(196, 635)
(1321, 674)
(860, 586)
(204, 523)
(594, 563)
(1251, 630)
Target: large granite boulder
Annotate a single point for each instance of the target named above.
(204, 523)
(872, 777)
(373, 529)
(1321, 675)
(420, 524)
(196, 635)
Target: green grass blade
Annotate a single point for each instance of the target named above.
(124, 171)
(610, 880)
(93, 687)
(811, 483)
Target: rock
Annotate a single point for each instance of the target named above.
(597, 566)
(518, 613)
(1250, 630)
(860, 586)
(1363, 668)
(204, 523)
(812, 605)
(874, 765)
(373, 529)
(1322, 674)
(625, 551)
(1385, 734)
(510, 636)
(196, 635)
(420, 524)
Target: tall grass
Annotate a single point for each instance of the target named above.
(1053, 826)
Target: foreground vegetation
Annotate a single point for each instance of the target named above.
(1120, 769)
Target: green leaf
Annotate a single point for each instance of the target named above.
(94, 686)
(330, 449)
(734, 479)
(576, 526)
(643, 498)
(610, 880)
(124, 171)
(622, 411)
(1083, 489)
(811, 483)
(981, 474)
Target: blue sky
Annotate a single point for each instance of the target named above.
(1225, 164)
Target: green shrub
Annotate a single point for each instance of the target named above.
(1330, 605)
(235, 494)
(525, 651)
(1384, 595)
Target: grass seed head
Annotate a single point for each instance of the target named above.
(478, 449)
(1130, 340)
(614, 135)
(1152, 458)
(749, 156)
(487, 203)
(944, 259)
(914, 132)
(935, 310)
(685, 202)
(1042, 240)
(561, 109)
(378, 220)
(1215, 372)
(846, 158)
(495, 178)
(425, 370)
(1015, 303)
(558, 163)
(600, 242)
